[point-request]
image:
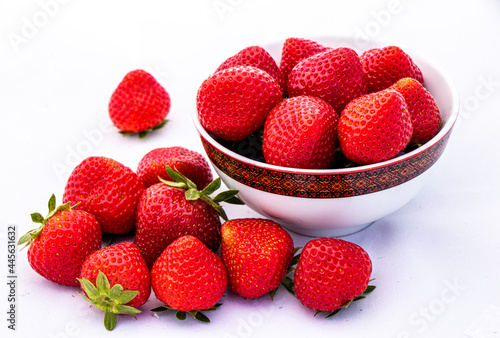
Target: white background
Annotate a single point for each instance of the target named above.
(436, 260)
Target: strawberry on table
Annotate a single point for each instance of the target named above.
(335, 76)
(116, 280)
(169, 210)
(257, 254)
(107, 189)
(189, 278)
(301, 132)
(257, 57)
(188, 162)
(385, 66)
(58, 248)
(139, 104)
(295, 50)
(233, 103)
(375, 127)
(331, 273)
(423, 109)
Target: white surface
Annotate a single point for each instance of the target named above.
(435, 260)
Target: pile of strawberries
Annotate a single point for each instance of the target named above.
(320, 103)
(184, 248)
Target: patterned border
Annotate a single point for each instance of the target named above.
(326, 186)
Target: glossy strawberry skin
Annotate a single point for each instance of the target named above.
(164, 214)
(257, 254)
(295, 50)
(234, 103)
(66, 240)
(122, 264)
(257, 57)
(301, 132)
(108, 190)
(425, 115)
(188, 276)
(138, 103)
(188, 162)
(335, 76)
(385, 66)
(375, 127)
(330, 273)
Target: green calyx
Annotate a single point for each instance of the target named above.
(192, 192)
(111, 300)
(143, 133)
(182, 315)
(36, 217)
(363, 295)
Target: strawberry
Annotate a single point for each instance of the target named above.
(188, 277)
(423, 109)
(375, 127)
(331, 273)
(188, 162)
(301, 132)
(169, 210)
(385, 66)
(108, 190)
(139, 104)
(116, 280)
(58, 248)
(295, 50)
(257, 57)
(335, 76)
(234, 103)
(257, 254)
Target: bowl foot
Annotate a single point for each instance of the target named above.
(335, 232)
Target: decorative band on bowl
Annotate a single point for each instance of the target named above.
(335, 185)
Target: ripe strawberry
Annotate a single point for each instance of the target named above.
(169, 210)
(108, 190)
(234, 103)
(375, 127)
(385, 66)
(335, 76)
(188, 162)
(301, 132)
(423, 109)
(116, 280)
(58, 248)
(331, 273)
(257, 57)
(257, 254)
(139, 104)
(188, 277)
(295, 50)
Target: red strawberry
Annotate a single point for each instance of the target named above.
(139, 104)
(188, 277)
(375, 127)
(188, 162)
(61, 244)
(234, 103)
(331, 273)
(116, 280)
(423, 109)
(257, 57)
(335, 76)
(295, 50)
(301, 132)
(257, 254)
(165, 213)
(385, 66)
(108, 190)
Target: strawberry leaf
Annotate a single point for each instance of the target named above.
(181, 315)
(109, 321)
(142, 134)
(288, 284)
(37, 218)
(52, 203)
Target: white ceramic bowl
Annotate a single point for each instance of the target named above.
(336, 202)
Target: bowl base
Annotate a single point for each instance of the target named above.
(333, 232)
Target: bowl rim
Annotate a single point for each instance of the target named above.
(443, 132)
